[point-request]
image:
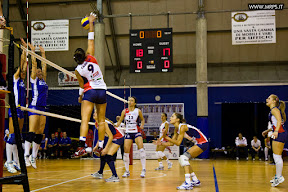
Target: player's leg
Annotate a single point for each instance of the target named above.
(110, 159)
(127, 145)
(159, 155)
(139, 143)
(277, 155)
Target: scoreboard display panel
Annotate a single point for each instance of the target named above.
(151, 50)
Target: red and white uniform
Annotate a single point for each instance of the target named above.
(161, 130)
(117, 134)
(131, 120)
(193, 134)
(91, 74)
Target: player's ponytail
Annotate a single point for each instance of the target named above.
(179, 116)
(282, 109)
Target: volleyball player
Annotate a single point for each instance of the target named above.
(131, 115)
(163, 129)
(277, 117)
(20, 97)
(193, 134)
(109, 153)
(92, 90)
(39, 101)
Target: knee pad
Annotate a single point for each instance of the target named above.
(38, 138)
(142, 154)
(184, 160)
(30, 136)
(278, 159)
(126, 157)
(157, 155)
(161, 154)
(11, 139)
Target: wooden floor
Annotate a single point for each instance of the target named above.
(74, 175)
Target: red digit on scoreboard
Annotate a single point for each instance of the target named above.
(139, 65)
(139, 52)
(166, 64)
(164, 51)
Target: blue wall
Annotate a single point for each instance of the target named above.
(185, 95)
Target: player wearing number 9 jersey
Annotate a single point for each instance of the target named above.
(92, 90)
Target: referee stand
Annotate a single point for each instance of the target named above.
(21, 179)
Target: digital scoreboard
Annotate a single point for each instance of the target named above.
(151, 50)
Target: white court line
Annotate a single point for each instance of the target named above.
(67, 181)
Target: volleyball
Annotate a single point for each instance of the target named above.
(85, 23)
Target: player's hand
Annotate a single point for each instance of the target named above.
(274, 135)
(142, 127)
(104, 151)
(32, 47)
(80, 99)
(41, 49)
(264, 133)
(92, 17)
(23, 42)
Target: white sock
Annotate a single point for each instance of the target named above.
(143, 158)
(279, 164)
(160, 164)
(88, 149)
(126, 161)
(15, 154)
(193, 176)
(9, 149)
(101, 143)
(27, 148)
(188, 178)
(167, 160)
(35, 149)
(81, 138)
(266, 152)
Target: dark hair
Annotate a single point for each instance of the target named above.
(79, 55)
(179, 116)
(183, 120)
(165, 115)
(134, 98)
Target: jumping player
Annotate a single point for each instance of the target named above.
(92, 90)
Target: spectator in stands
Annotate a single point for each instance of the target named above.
(52, 146)
(42, 152)
(64, 145)
(241, 144)
(256, 148)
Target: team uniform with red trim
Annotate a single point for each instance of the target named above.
(132, 130)
(161, 130)
(282, 132)
(94, 85)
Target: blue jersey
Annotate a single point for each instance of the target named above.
(39, 92)
(19, 91)
(65, 141)
(53, 141)
(117, 134)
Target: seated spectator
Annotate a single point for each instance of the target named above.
(43, 148)
(52, 146)
(64, 145)
(241, 144)
(59, 134)
(268, 149)
(256, 148)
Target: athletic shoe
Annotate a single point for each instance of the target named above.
(126, 174)
(3, 88)
(247, 158)
(277, 181)
(260, 159)
(266, 159)
(185, 186)
(113, 178)
(170, 165)
(16, 166)
(159, 168)
(253, 159)
(79, 153)
(97, 175)
(10, 168)
(98, 151)
(196, 182)
(27, 162)
(32, 161)
(237, 158)
(143, 173)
